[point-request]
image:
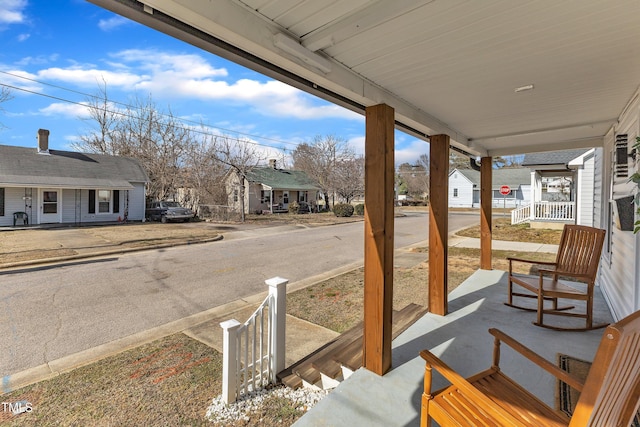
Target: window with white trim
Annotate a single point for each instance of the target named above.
(104, 201)
(455, 192)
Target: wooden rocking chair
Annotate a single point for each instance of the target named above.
(577, 259)
(610, 395)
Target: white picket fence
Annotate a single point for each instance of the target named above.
(254, 352)
(545, 211)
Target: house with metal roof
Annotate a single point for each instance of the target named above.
(42, 186)
(268, 189)
(464, 188)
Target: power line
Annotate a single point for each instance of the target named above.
(131, 107)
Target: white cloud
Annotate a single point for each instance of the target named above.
(410, 151)
(23, 37)
(112, 23)
(58, 109)
(12, 11)
(357, 144)
(189, 76)
(92, 77)
(162, 65)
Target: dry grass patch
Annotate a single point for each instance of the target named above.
(337, 303)
(503, 230)
(168, 382)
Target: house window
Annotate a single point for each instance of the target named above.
(286, 197)
(455, 192)
(265, 196)
(235, 195)
(104, 201)
(302, 196)
(1, 201)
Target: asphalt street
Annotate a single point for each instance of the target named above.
(52, 311)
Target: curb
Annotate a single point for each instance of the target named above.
(104, 253)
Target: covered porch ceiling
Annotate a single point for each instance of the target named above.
(447, 67)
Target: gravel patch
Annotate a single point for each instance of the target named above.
(302, 399)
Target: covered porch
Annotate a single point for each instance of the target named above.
(462, 340)
(487, 79)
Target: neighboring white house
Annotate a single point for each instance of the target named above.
(464, 187)
(53, 186)
(566, 176)
(269, 189)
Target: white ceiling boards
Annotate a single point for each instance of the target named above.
(449, 66)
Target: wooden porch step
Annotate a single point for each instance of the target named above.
(345, 350)
(351, 356)
(292, 381)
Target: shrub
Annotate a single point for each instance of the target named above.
(293, 207)
(343, 209)
(359, 209)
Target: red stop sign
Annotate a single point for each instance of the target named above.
(504, 190)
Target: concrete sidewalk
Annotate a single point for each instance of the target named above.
(502, 245)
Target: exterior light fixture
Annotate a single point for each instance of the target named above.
(294, 48)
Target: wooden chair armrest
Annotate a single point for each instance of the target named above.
(479, 399)
(537, 359)
(543, 271)
(530, 261)
(450, 375)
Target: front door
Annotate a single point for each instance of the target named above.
(50, 206)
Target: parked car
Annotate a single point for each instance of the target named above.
(167, 211)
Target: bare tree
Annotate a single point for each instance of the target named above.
(203, 173)
(240, 157)
(349, 178)
(157, 139)
(103, 121)
(319, 160)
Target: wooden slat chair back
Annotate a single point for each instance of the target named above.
(577, 259)
(610, 395)
(579, 250)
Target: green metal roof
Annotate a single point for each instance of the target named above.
(281, 179)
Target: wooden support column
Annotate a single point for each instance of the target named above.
(486, 199)
(438, 223)
(378, 238)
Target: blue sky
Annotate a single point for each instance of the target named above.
(58, 53)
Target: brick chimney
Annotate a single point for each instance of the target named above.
(272, 163)
(43, 141)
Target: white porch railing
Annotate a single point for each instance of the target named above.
(254, 352)
(545, 211)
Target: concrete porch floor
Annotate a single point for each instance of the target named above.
(462, 341)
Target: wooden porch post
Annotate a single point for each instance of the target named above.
(438, 223)
(486, 199)
(378, 238)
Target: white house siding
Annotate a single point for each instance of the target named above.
(600, 190)
(137, 202)
(465, 191)
(586, 182)
(14, 202)
(69, 211)
(619, 268)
